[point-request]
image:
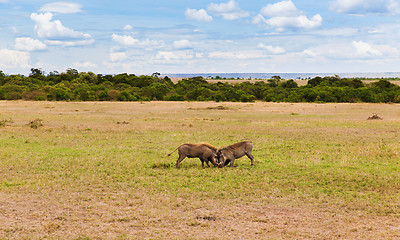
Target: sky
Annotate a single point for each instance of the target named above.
(203, 36)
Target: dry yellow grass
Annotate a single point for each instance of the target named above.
(100, 171)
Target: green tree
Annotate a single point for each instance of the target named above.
(289, 84)
(156, 91)
(37, 73)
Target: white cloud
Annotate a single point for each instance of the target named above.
(363, 7)
(175, 55)
(61, 7)
(118, 56)
(310, 53)
(12, 59)
(235, 55)
(198, 15)
(75, 43)
(343, 31)
(15, 30)
(394, 7)
(388, 31)
(4, 1)
(127, 27)
(345, 51)
(57, 33)
(29, 44)
(199, 55)
(125, 40)
(128, 41)
(271, 49)
(364, 49)
(259, 20)
(283, 23)
(279, 9)
(151, 44)
(229, 10)
(182, 44)
(284, 15)
(86, 64)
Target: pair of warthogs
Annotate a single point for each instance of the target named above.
(218, 157)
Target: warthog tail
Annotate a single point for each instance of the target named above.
(174, 151)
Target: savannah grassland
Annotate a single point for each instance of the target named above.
(99, 170)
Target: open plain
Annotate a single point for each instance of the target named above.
(99, 170)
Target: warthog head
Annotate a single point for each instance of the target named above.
(216, 161)
(220, 159)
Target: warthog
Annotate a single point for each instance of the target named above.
(204, 151)
(234, 151)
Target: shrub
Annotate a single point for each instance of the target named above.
(13, 96)
(37, 95)
(156, 91)
(145, 99)
(289, 84)
(35, 124)
(247, 98)
(103, 96)
(113, 95)
(175, 97)
(6, 122)
(61, 94)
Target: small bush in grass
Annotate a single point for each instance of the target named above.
(5, 122)
(375, 117)
(35, 124)
(161, 165)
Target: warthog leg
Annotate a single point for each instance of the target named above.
(181, 157)
(232, 162)
(227, 162)
(212, 160)
(204, 160)
(249, 155)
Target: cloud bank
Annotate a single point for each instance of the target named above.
(364, 7)
(61, 7)
(12, 59)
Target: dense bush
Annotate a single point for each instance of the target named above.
(88, 86)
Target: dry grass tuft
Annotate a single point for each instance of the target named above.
(208, 218)
(35, 124)
(123, 122)
(162, 165)
(375, 117)
(6, 122)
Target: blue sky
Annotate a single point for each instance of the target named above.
(176, 36)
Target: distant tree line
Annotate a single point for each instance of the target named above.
(72, 85)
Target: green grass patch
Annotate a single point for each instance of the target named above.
(314, 158)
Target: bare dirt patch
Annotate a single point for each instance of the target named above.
(144, 216)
